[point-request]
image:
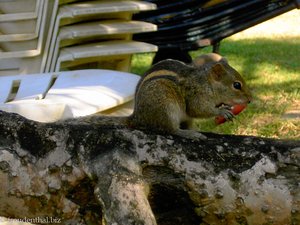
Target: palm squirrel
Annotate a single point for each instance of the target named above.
(171, 93)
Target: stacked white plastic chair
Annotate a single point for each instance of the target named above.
(22, 25)
(40, 40)
(52, 35)
(96, 33)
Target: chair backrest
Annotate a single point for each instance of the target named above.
(72, 93)
(6, 86)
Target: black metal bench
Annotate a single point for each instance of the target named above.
(192, 24)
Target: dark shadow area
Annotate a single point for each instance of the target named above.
(172, 206)
(83, 195)
(169, 200)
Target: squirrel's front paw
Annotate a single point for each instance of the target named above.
(191, 134)
(225, 111)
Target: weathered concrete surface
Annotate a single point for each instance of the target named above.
(89, 174)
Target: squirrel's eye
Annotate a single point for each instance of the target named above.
(237, 85)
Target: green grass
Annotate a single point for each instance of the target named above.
(271, 67)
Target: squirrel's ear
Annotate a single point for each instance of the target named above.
(207, 58)
(217, 71)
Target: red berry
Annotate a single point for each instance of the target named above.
(236, 109)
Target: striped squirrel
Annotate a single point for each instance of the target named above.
(171, 93)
